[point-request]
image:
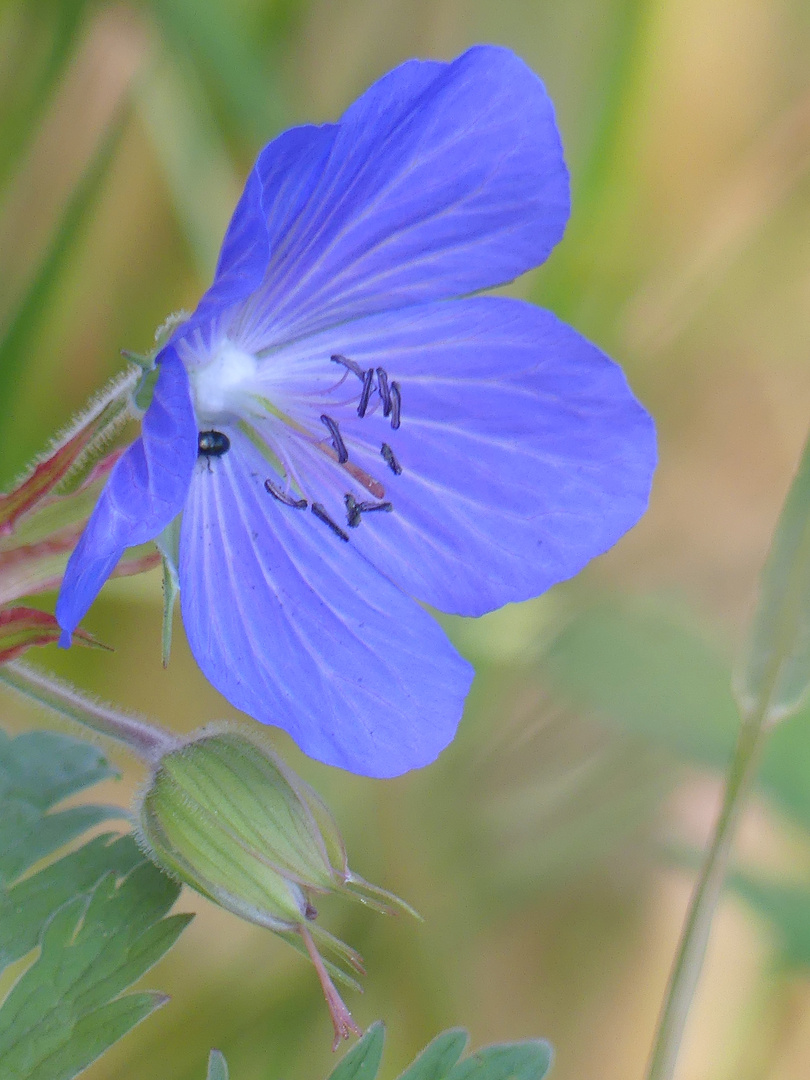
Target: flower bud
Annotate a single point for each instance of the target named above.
(224, 814)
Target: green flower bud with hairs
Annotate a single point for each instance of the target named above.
(223, 814)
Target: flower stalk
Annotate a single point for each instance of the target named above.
(773, 681)
(148, 741)
(695, 936)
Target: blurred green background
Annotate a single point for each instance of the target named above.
(551, 848)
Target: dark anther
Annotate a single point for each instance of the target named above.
(396, 405)
(321, 514)
(212, 444)
(368, 379)
(310, 913)
(390, 460)
(353, 513)
(367, 507)
(355, 509)
(283, 497)
(337, 438)
(382, 386)
(337, 358)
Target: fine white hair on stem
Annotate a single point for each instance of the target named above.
(121, 387)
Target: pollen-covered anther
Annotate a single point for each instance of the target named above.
(355, 509)
(353, 515)
(390, 459)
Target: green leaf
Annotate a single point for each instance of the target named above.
(200, 175)
(223, 49)
(217, 1066)
(63, 1012)
(98, 913)
(58, 25)
(26, 907)
(362, 1062)
(775, 675)
(528, 1060)
(650, 670)
(647, 669)
(438, 1057)
(787, 909)
(38, 770)
(23, 323)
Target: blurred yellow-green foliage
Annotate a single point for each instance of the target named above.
(550, 848)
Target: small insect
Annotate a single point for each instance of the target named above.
(212, 444)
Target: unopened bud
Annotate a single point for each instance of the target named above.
(225, 815)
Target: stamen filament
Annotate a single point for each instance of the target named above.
(284, 497)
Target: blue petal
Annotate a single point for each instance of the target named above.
(523, 452)
(295, 628)
(145, 491)
(277, 187)
(442, 179)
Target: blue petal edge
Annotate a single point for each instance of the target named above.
(440, 180)
(145, 491)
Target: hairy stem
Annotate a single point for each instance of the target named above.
(148, 741)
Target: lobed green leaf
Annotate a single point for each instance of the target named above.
(99, 914)
(529, 1060)
(438, 1057)
(362, 1062)
(38, 770)
(63, 1012)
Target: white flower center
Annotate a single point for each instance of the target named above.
(222, 388)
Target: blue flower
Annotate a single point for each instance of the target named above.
(347, 439)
